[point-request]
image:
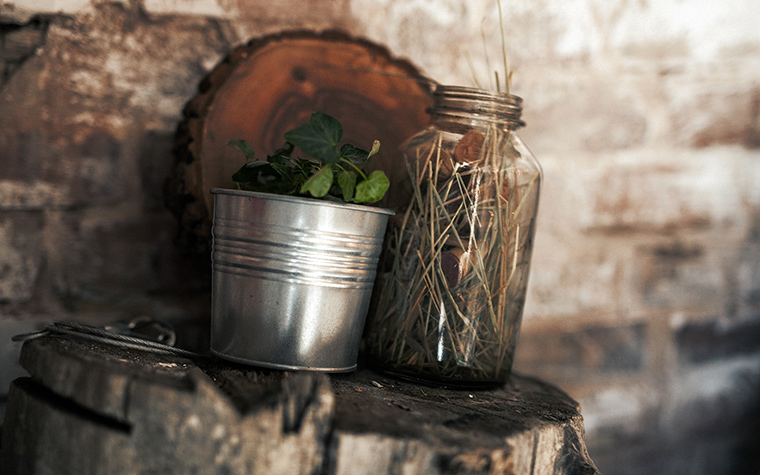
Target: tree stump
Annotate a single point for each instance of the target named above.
(95, 408)
(273, 84)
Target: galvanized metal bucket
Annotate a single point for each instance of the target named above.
(292, 279)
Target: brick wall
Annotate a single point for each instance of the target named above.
(644, 301)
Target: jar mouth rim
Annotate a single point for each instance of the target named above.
(464, 92)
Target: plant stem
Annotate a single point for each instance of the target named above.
(504, 48)
(359, 170)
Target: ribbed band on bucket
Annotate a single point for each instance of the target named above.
(288, 254)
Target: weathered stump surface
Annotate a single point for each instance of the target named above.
(273, 84)
(94, 408)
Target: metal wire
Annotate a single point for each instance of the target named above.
(102, 335)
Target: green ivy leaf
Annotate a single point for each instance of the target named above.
(375, 149)
(284, 174)
(353, 154)
(292, 186)
(251, 171)
(281, 155)
(347, 183)
(373, 188)
(319, 183)
(283, 170)
(318, 138)
(243, 146)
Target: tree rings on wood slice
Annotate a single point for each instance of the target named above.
(273, 84)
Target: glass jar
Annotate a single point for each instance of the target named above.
(457, 254)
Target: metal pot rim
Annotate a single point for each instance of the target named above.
(301, 200)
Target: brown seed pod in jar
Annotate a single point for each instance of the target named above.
(455, 263)
(468, 150)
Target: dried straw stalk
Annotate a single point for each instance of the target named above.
(459, 327)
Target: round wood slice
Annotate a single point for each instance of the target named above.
(273, 84)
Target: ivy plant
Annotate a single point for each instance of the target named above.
(330, 171)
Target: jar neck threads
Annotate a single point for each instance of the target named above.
(477, 106)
